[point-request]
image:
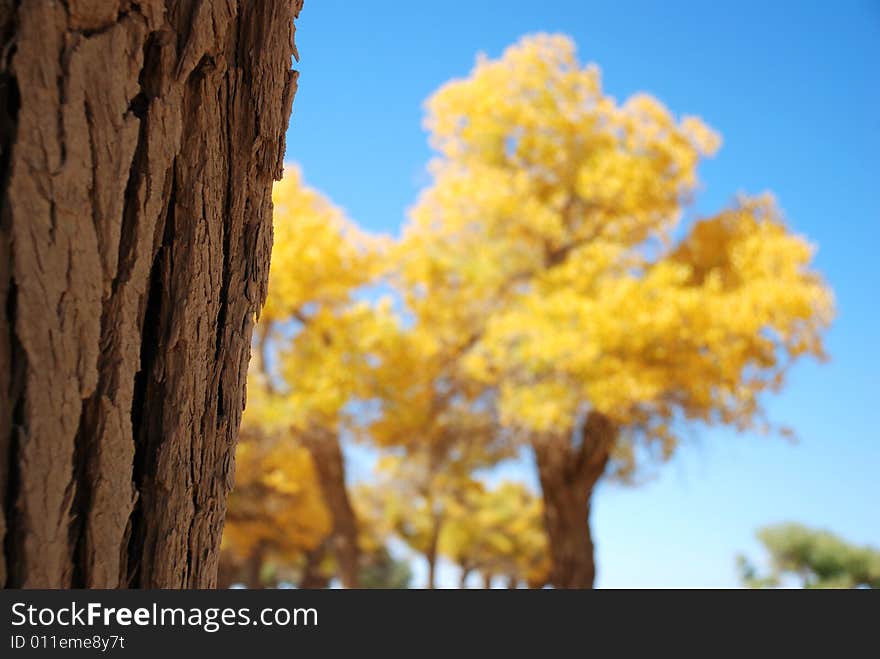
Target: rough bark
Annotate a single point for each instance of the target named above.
(568, 473)
(139, 145)
(330, 466)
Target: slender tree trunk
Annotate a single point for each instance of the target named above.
(253, 568)
(431, 554)
(431, 557)
(139, 144)
(463, 577)
(330, 467)
(313, 576)
(568, 475)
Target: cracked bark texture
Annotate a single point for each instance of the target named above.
(138, 145)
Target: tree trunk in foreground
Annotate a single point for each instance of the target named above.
(568, 475)
(139, 145)
(330, 466)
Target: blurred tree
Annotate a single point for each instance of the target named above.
(499, 532)
(813, 558)
(279, 529)
(315, 342)
(412, 498)
(382, 570)
(545, 259)
(276, 513)
(437, 427)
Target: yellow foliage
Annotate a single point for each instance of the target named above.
(543, 256)
(316, 338)
(318, 257)
(276, 490)
(315, 341)
(544, 273)
(498, 531)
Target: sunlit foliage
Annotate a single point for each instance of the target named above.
(553, 287)
(550, 248)
(314, 348)
(498, 532)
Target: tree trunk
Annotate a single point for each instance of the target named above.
(568, 475)
(139, 144)
(330, 466)
(312, 575)
(253, 568)
(431, 557)
(227, 572)
(433, 545)
(463, 577)
(567, 523)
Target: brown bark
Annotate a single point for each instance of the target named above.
(139, 145)
(330, 466)
(569, 473)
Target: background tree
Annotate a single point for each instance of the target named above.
(813, 559)
(316, 341)
(412, 497)
(500, 533)
(277, 521)
(138, 148)
(548, 248)
(435, 427)
(380, 568)
(278, 527)
(383, 571)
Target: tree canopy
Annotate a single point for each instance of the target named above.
(553, 290)
(551, 244)
(811, 558)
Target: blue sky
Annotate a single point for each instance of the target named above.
(794, 89)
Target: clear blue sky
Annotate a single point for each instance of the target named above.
(794, 87)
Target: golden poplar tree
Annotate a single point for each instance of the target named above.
(549, 256)
(315, 341)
